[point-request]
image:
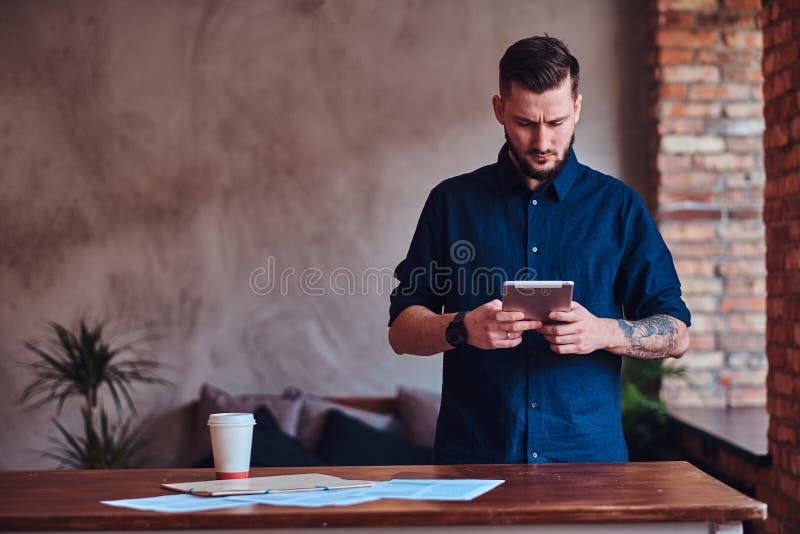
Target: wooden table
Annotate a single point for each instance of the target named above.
(564, 498)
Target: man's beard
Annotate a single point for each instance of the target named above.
(528, 171)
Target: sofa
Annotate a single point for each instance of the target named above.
(296, 428)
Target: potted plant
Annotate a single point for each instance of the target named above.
(645, 421)
(86, 363)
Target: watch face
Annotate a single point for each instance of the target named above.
(456, 334)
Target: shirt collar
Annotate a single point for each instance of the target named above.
(561, 184)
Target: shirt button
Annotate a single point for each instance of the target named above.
(535, 249)
(534, 405)
(534, 202)
(535, 455)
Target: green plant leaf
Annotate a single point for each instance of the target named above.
(82, 363)
(85, 361)
(644, 414)
(71, 452)
(114, 446)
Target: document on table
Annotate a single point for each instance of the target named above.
(422, 489)
(434, 489)
(428, 489)
(182, 502)
(312, 499)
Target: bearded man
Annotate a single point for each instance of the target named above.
(517, 390)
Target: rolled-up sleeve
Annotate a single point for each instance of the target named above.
(648, 283)
(417, 273)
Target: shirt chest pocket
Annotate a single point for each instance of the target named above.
(594, 270)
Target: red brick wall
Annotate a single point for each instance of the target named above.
(706, 104)
(781, 489)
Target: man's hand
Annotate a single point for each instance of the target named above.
(654, 337)
(582, 332)
(488, 327)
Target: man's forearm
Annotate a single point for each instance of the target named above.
(654, 337)
(419, 331)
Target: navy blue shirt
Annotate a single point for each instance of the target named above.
(480, 229)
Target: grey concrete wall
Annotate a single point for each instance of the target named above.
(154, 155)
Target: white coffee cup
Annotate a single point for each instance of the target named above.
(231, 441)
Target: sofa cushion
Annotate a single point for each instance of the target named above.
(286, 410)
(314, 413)
(419, 409)
(212, 399)
(346, 440)
(272, 447)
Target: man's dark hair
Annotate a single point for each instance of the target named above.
(538, 64)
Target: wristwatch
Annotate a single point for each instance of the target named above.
(456, 332)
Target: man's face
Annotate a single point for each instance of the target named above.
(539, 128)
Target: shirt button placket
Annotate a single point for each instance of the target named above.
(534, 420)
(531, 217)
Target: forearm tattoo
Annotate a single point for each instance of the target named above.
(650, 338)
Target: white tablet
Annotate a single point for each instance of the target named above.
(537, 298)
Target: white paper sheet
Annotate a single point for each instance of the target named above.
(339, 497)
(427, 489)
(434, 489)
(181, 502)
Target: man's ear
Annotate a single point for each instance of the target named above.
(578, 102)
(497, 105)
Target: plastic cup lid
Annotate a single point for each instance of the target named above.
(231, 419)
